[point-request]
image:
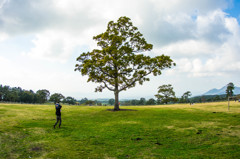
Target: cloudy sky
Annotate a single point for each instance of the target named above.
(40, 41)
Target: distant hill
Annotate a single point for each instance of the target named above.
(222, 91)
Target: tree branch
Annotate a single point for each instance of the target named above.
(105, 84)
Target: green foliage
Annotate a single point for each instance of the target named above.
(120, 64)
(151, 101)
(17, 94)
(142, 101)
(8, 94)
(111, 101)
(69, 100)
(83, 100)
(185, 97)
(165, 94)
(206, 98)
(56, 97)
(90, 102)
(229, 90)
(28, 96)
(43, 95)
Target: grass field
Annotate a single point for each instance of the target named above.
(174, 131)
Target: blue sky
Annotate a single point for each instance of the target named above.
(233, 10)
(40, 41)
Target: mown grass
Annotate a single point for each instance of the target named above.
(174, 131)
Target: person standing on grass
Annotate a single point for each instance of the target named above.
(58, 114)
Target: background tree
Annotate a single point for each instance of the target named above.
(69, 100)
(134, 102)
(90, 102)
(17, 93)
(165, 94)
(119, 64)
(229, 90)
(1, 93)
(6, 93)
(98, 103)
(28, 97)
(151, 101)
(56, 97)
(43, 95)
(142, 101)
(111, 101)
(83, 100)
(185, 97)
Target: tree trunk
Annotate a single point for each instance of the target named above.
(116, 105)
(228, 104)
(116, 91)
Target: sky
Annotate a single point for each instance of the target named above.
(40, 41)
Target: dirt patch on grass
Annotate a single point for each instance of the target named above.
(232, 131)
(170, 127)
(38, 131)
(36, 148)
(121, 122)
(208, 124)
(129, 122)
(180, 129)
(137, 139)
(184, 129)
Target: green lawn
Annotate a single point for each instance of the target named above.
(173, 131)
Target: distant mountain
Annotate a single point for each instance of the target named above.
(222, 91)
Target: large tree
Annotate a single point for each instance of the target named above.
(185, 97)
(43, 95)
(119, 63)
(229, 90)
(56, 97)
(165, 94)
(142, 101)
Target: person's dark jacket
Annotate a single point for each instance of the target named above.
(58, 109)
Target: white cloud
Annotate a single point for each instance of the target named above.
(213, 49)
(3, 2)
(10, 72)
(69, 83)
(3, 61)
(201, 38)
(55, 45)
(3, 36)
(52, 45)
(212, 27)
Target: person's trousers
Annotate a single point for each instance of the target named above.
(58, 120)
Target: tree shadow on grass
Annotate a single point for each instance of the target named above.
(112, 110)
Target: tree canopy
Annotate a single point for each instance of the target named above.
(111, 101)
(69, 100)
(120, 64)
(43, 95)
(165, 94)
(56, 97)
(185, 97)
(229, 90)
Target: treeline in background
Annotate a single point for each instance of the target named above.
(197, 99)
(19, 95)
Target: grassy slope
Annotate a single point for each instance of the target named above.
(176, 131)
